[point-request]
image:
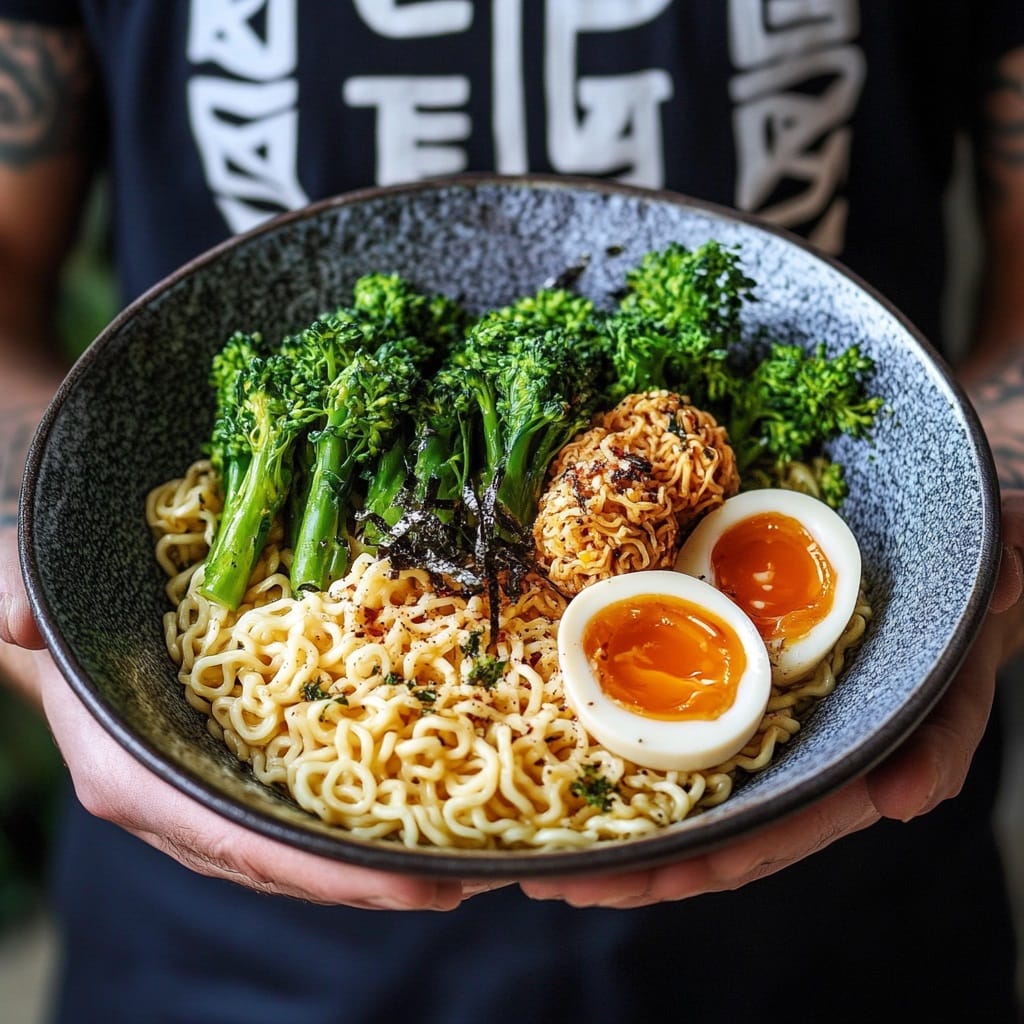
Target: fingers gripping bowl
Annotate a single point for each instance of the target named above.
(137, 409)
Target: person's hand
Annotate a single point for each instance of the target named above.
(928, 768)
(111, 784)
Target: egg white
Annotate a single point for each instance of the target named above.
(657, 743)
(791, 657)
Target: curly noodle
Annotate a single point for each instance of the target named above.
(362, 702)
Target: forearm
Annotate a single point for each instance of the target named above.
(49, 132)
(997, 391)
(29, 381)
(997, 388)
(994, 372)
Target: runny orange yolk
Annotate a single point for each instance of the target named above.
(664, 657)
(777, 573)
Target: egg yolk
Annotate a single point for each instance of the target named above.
(665, 658)
(777, 573)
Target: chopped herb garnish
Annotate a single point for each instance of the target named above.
(471, 648)
(486, 671)
(594, 788)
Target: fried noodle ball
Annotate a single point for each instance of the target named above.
(623, 494)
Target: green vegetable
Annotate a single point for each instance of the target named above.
(266, 418)
(594, 788)
(433, 454)
(677, 321)
(229, 447)
(792, 402)
(678, 288)
(387, 307)
(401, 424)
(362, 409)
(534, 387)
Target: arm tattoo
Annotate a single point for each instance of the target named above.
(1001, 131)
(47, 93)
(999, 400)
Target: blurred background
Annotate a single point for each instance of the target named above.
(30, 767)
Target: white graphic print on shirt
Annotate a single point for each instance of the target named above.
(791, 142)
(785, 136)
(618, 127)
(246, 125)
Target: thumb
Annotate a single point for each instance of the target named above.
(1010, 582)
(16, 623)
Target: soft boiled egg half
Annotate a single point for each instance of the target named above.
(789, 562)
(663, 669)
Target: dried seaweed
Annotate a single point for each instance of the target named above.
(468, 546)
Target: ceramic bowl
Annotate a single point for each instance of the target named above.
(135, 409)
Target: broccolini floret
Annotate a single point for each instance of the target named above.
(268, 417)
(362, 408)
(534, 389)
(553, 308)
(677, 287)
(387, 307)
(791, 402)
(676, 323)
(229, 447)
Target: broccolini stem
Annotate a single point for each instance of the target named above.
(321, 529)
(243, 529)
(384, 488)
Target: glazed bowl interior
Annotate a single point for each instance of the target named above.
(136, 408)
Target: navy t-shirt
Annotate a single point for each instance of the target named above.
(833, 118)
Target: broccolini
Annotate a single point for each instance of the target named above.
(267, 415)
(402, 412)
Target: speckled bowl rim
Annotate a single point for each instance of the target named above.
(674, 843)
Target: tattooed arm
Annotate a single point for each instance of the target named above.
(994, 373)
(48, 118)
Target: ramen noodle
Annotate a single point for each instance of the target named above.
(367, 705)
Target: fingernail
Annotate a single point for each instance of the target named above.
(6, 628)
(1010, 585)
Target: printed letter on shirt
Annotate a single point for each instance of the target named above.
(246, 133)
(220, 31)
(416, 124)
(419, 19)
(792, 137)
(245, 123)
(608, 124)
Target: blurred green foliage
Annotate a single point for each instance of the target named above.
(31, 772)
(88, 299)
